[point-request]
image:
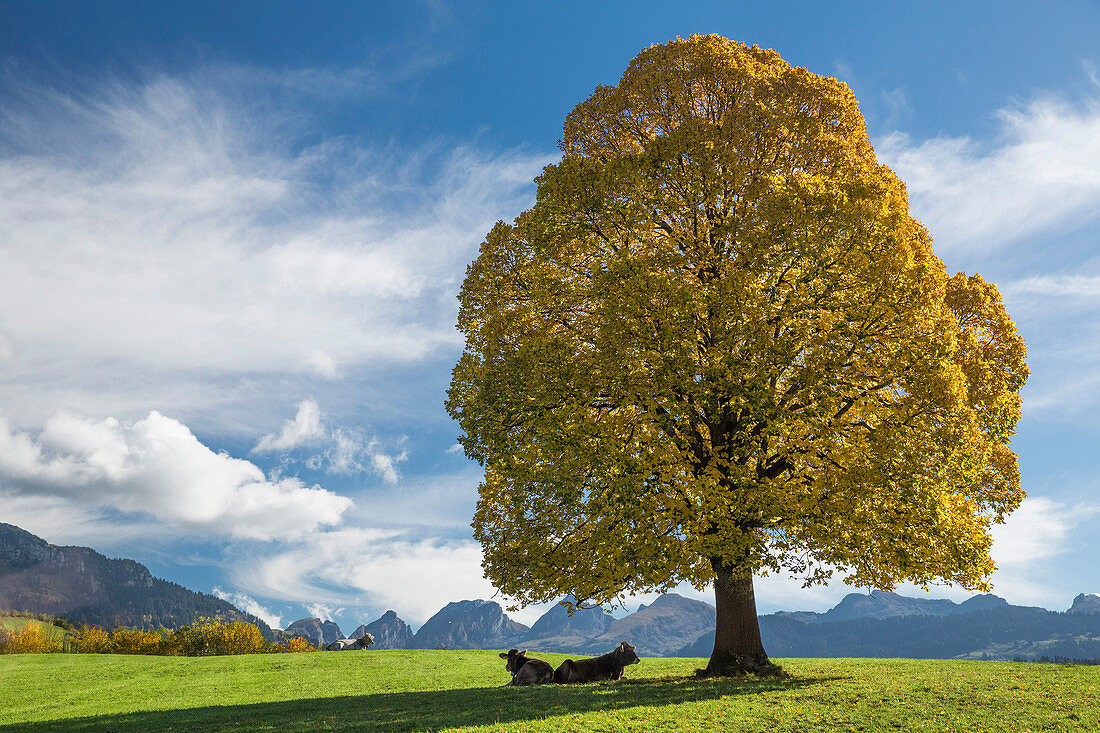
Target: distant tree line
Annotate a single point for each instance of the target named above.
(1057, 660)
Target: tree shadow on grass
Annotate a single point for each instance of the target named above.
(429, 710)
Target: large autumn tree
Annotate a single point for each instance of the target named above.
(718, 345)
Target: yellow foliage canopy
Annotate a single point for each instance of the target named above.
(718, 336)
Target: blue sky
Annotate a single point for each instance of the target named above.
(231, 235)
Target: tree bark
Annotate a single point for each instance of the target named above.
(738, 649)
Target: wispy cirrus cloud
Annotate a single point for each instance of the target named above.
(1031, 538)
(1039, 176)
(1059, 315)
(1035, 190)
(185, 241)
(1067, 286)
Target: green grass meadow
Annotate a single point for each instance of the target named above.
(462, 690)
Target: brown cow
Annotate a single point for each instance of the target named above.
(527, 670)
(608, 667)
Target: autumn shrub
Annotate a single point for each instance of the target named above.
(215, 637)
(90, 640)
(182, 642)
(34, 638)
(233, 637)
(136, 641)
(209, 636)
(293, 645)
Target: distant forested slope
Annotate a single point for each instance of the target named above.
(79, 584)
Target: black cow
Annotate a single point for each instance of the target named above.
(527, 670)
(608, 667)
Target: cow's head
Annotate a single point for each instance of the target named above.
(516, 659)
(625, 655)
(365, 640)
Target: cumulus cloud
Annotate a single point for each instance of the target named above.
(179, 237)
(156, 466)
(344, 451)
(1040, 176)
(303, 429)
(248, 604)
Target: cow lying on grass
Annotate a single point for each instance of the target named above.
(527, 670)
(342, 644)
(608, 667)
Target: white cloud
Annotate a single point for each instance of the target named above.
(385, 463)
(323, 611)
(1024, 549)
(1025, 545)
(1043, 175)
(171, 241)
(1058, 315)
(1036, 532)
(1070, 286)
(364, 566)
(436, 503)
(345, 451)
(156, 466)
(456, 448)
(303, 429)
(62, 521)
(248, 604)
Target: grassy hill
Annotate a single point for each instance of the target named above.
(405, 690)
(17, 623)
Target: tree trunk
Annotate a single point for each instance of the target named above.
(737, 646)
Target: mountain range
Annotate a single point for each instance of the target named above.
(83, 586)
(888, 625)
(862, 625)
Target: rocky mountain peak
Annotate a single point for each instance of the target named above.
(557, 622)
(389, 632)
(1086, 603)
(317, 631)
(476, 624)
(662, 627)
